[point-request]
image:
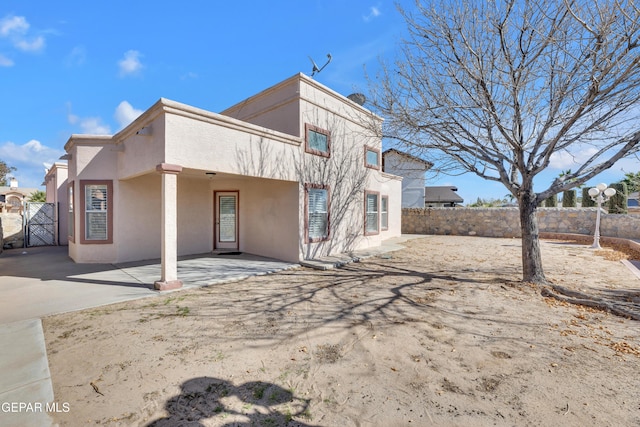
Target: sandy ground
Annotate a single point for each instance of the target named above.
(441, 333)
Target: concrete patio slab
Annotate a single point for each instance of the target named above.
(38, 282)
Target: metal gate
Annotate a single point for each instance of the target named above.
(40, 221)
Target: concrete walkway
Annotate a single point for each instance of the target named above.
(39, 282)
(25, 381)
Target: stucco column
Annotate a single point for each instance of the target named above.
(169, 239)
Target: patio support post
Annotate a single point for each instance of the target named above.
(169, 242)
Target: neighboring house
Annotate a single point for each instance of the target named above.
(291, 173)
(632, 199)
(441, 197)
(13, 197)
(55, 182)
(412, 170)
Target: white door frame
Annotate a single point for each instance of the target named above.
(225, 243)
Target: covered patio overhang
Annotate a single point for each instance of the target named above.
(207, 210)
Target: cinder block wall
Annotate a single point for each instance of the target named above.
(505, 222)
(13, 235)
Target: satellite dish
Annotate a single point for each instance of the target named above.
(358, 98)
(317, 69)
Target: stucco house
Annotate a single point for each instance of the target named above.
(12, 197)
(412, 170)
(291, 173)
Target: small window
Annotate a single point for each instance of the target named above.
(318, 141)
(70, 213)
(317, 217)
(371, 158)
(372, 218)
(97, 212)
(384, 213)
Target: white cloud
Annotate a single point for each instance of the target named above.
(94, 126)
(13, 25)
(569, 160)
(16, 29)
(130, 64)
(374, 12)
(5, 62)
(72, 118)
(189, 76)
(28, 159)
(33, 45)
(77, 56)
(88, 125)
(125, 114)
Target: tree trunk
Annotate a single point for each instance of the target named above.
(532, 270)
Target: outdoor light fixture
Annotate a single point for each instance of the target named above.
(599, 194)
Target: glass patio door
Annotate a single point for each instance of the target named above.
(226, 220)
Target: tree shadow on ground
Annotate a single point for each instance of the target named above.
(620, 302)
(380, 292)
(252, 403)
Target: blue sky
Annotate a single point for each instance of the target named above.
(91, 67)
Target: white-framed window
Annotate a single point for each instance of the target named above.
(372, 213)
(384, 212)
(317, 212)
(97, 212)
(371, 157)
(317, 141)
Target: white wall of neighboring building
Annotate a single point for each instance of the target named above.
(412, 171)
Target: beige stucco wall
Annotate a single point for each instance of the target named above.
(273, 108)
(93, 158)
(137, 220)
(225, 145)
(56, 191)
(138, 223)
(139, 154)
(267, 209)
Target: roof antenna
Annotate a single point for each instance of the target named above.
(315, 68)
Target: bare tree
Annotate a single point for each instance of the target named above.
(5, 170)
(499, 87)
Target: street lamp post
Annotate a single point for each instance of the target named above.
(599, 194)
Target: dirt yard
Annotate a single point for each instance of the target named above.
(441, 333)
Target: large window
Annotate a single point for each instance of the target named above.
(317, 215)
(371, 158)
(97, 211)
(384, 212)
(372, 213)
(71, 219)
(317, 141)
